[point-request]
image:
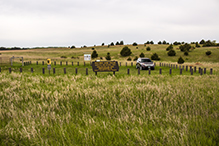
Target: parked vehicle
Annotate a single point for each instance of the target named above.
(144, 63)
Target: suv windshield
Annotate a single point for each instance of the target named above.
(146, 60)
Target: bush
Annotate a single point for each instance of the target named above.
(112, 44)
(108, 56)
(135, 44)
(171, 53)
(170, 47)
(102, 44)
(94, 54)
(159, 43)
(186, 53)
(129, 59)
(185, 47)
(136, 58)
(208, 53)
(180, 60)
(125, 51)
(202, 42)
(121, 43)
(63, 57)
(155, 57)
(117, 43)
(72, 47)
(197, 45)
(142, 55)
(101, 58)
(92, 48)
(148, 48)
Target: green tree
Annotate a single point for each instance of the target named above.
(94, 54)
(121, 43)
(112, 44)
(117, 43)
(186, 53)
(135, 44)
(202, 41)
(108, 56)
(208, 53)
(142, 55)
(171, 53)
(180, 60)
(159, 43)
(136, 58)
(185, 47)
(148, 48)
(170, 47)
(125, 51)
(155, 57)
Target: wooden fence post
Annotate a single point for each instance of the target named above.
(0, 69)
(186, 68)
(201, 71)
(191, 70)
(60, 62)
(211, 71)
(132, 64)
(72, 63)
(180, 71)
(195, 69)
(204, 70)
(149, 71)
(20, 70)
(76, 70)
(54, 70)
(43, 70)
(84, 63)
(160, 71)
(64, 70)
(86, 71)
(128, 71)
(138, 71)
(37, 63)
(120, 63)
(54, 62)
(170, 71)
(31, 70)
(66, 62)
(126, 64)
(78, 63)
(42, 62)
(9, 70)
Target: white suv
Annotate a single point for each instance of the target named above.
(144, 63)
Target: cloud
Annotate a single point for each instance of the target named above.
(66, 22)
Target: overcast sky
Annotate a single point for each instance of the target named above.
(32, 23)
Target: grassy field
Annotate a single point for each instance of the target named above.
(70, 109)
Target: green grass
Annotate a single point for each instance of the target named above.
(108, 110)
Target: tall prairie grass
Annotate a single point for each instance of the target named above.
(110, 110)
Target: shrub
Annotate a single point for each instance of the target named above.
(92, 48)
(142, 55)
(121, 43)
(185, 47)
(197, 45)
(129, 59)
(159, 43)
(171, 53)
(63, 57)
(117, 43)
(136, 47)
(148, 48)
(208, 53)
(151, 42)
(108, 56)
(136, 58)
(155, 57)
(94, 54)
(186, 53)
(170, 47)
(202, 42)
(101, 58)
(135, 44)
(72, 47)
(102, 44)
(164, 42)
(112, 44)
(125, 51)
(180, 60)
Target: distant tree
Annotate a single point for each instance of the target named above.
(112, 44)
(170, 47)
(135, 44)
(202, 41)
(155, 57)
(117, 43)
(136, 58)
(108, 56)
(129, 59)
(186, 53)
(151, 42)
(208, 53)
(185, 47)
(177, 43)
(209, 44)
(180, 60)
(197, 45)
(164, 42)
(72, 47)
(147, 42)
(171, 53)
(121, 43)
(125, 51)
(148, 48)
(92, 48)
(102, 44)
(94, 54)
(159, 43)
(142, 55)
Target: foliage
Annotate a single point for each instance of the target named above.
(112, 44)
(63, 56)
(129, 59)
(170, 47)
(102, 44)
(134, 44)
(208, 53)
(171, 53)
(180, 60)
(164, 42)
(185, 47)
(209, 44)
(108, 56)
(202, 41)
(136, 58)
(92, 48)
(142, 55)
(121, 43)
(197, 45)
(159, 43)
(72, 47)
(94, 54)
(148, 48)
(125, 51)
(117, 43)
(155, 57)
(186, 53)
(177, 43)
